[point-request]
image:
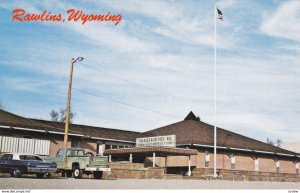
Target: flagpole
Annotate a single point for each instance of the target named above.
(215, 92)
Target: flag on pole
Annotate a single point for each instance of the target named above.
(220, 15)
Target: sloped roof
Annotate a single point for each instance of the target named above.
(100, 132)
(198, 132)
(12, 120)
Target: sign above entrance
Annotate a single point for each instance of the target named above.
(157, 141)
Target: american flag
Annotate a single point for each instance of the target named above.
(220, 15)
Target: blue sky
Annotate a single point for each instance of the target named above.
(156, 65)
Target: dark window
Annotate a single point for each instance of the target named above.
(114, 147)
(75, 153)
(6, 157)
(121, 146)
(27, 137)
(29, 157)
(206, 164)
(107, 146)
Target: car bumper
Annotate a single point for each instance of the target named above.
(94, 169)
(41, 170)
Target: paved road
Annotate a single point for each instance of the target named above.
(70, 183)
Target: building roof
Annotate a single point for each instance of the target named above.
(190, 131)
(96, 132)
(194, 131)
(292, 146)
(161, 150)
(14, 121)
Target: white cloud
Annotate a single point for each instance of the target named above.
(284, 22)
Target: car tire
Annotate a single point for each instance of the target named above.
(77, 172)
(48, 175)
(16, 173)
(98, 175)
(40, 175)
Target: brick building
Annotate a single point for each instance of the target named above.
(234, 152)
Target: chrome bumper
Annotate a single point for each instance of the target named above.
(94, 169)
(42, 170)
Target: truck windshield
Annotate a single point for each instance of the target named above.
(60, 152)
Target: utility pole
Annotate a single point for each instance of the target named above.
(69, 100)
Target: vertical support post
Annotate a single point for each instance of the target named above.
(130, 158)
(189, 172)
(68, 105)
(153, 161)
(166, 164)
(215, 105)
(109, 158)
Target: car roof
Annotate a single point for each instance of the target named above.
(16, 156)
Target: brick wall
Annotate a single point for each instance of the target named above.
(287, 167)
(244, 163)
(89, 145)
(206, 173)
(200, 160)
(266, 165)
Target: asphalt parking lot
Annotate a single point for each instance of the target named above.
(31, 182)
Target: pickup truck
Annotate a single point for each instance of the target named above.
(76, 162)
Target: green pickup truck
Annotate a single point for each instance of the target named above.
(76, 162)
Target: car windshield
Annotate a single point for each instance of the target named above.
(30, 157)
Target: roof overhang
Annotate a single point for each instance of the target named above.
(145, 150)
(240, 149)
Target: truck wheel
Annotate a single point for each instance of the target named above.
(40, 175)
(77, 172)
(16, 173)
(98, 175)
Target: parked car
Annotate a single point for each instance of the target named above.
(76, 162)
(17, 164)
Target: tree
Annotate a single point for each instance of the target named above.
(54, 115)
(2, 107)
(269, 141)
(60, 116)
(278, 142)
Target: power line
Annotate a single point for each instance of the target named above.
(124, 103)
(128, 81)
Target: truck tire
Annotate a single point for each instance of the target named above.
(16, 173)
(40, 175)
(77, 172)
(98, 175)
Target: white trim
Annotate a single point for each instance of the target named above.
(41, 131)
(256, 164)
(249, 150)
(73, 134)
(26, 129)
(107, 139)
(5, 127)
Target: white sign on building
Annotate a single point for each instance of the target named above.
(157, 141)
